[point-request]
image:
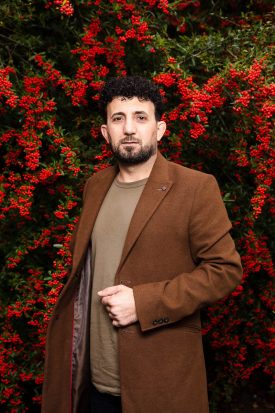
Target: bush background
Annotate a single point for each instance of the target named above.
(212, 61)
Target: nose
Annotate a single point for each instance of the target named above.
(129, 127)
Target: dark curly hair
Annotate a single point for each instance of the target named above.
(130, 87)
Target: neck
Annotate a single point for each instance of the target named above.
(132, 173)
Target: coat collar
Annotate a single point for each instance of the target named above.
(155, 190)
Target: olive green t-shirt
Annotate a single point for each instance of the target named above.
(108, 238)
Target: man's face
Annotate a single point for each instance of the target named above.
(132, 129)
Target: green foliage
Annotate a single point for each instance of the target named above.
(213, 64)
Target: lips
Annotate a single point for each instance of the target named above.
(129, 141)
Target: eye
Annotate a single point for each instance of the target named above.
(141, 117)
(117, 118)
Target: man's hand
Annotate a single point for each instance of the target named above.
(120, 304)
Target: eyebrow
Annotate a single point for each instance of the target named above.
(138, 112)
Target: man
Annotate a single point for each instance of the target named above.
(151, 248)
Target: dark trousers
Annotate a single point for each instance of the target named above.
(104, 403)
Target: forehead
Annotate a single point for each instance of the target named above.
(129, 106)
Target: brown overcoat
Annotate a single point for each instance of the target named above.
(178, 257)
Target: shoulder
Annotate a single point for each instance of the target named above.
(102, 174)
(200, 188)
(99, 178)
(192, 184)
(190, 177)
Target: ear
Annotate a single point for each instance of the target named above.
(161, 130)
(104, 132)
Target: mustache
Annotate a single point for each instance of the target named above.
(129, 139)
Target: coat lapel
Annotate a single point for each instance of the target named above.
(94, 198)
(156, 189)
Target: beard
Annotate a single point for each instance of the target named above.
(132, 155)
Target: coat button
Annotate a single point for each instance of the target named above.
(166, 320)
(155, 322)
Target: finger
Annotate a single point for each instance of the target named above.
(110, 312)
(106, 301)
(109, 291)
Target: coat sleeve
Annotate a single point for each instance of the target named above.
(218, 267)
